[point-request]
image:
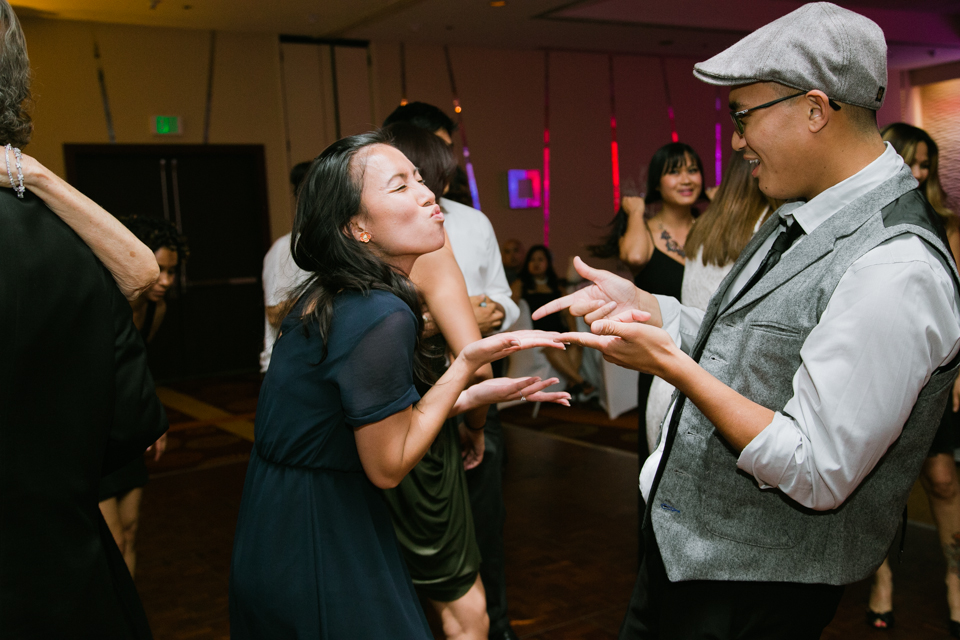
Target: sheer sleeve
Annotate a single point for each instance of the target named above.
(376, 378)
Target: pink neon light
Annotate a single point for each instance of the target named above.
(615, 163)
(614, 152)
(546, 191)
(718, 152)
(673, 126)
(546, 148)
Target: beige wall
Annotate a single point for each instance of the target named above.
(157, 71)
(266, 93)
(502, 94)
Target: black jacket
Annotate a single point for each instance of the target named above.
(76, 401)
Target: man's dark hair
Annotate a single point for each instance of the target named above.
(423, 115)
(865, 120)
(297, 174)
(158, 234)
(15, 124)
(430, 154)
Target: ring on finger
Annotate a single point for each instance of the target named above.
(522, 399)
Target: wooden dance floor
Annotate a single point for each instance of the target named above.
(570, 535)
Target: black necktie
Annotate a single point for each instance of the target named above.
(783, 242)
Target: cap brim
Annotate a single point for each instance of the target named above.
(720, 80)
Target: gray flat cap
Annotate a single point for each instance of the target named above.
(818, 46)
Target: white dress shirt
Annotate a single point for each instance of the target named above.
(891, 322)
(475, 247)
(281, 276)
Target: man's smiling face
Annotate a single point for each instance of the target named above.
(774, 138)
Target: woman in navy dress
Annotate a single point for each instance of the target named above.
(339, 417)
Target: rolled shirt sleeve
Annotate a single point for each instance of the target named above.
(682, 323)
(891, 322)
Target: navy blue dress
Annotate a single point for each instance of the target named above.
(315, 554)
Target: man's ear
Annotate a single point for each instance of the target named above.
(818, 110)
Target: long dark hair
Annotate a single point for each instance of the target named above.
(904, 138)
(329, 198)
(725, 228)
(527, 278)
(665, 159)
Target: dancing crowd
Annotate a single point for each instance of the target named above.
(797, 332)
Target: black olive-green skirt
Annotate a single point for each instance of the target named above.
(434, 524)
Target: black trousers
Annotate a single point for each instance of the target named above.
(485, 483)
(713, 610)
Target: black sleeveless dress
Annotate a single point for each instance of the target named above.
(662, 276)
(552, 322)
(133, 474)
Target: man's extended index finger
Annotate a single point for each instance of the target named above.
(552, 307)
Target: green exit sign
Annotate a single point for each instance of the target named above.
(166, 125)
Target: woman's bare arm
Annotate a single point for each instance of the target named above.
(444, 290)
(390, 448)
(132, 263)
(636, 244)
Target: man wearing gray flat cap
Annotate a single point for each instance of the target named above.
(810, 390)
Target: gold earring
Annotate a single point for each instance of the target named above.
(365, 237)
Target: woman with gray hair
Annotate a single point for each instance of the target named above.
(77, 399)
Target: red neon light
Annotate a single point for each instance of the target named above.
(614, 152)
(615, 163)
(546, 148)
(546, 193)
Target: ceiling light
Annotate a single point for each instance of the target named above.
(498, 3)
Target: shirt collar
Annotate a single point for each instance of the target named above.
(812, 214)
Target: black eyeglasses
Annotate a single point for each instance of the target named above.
(737, 116)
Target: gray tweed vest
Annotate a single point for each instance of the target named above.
(711, 520)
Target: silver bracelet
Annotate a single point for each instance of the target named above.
(6, 157)
(18, 155)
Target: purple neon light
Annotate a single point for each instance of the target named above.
(718, 153)
(472, 180)
(514, 178)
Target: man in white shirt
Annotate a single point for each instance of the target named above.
(816, 377)
(281, 276)
(475, 248)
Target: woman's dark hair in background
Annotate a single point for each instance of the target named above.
(904, 139)
(725, 228)
(429, 153)
(423, 115)
(330, 196)
(157, 234)
(297, 174)
(665, 159)
(527, 278)
(15, 123)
